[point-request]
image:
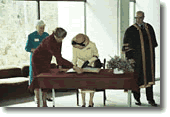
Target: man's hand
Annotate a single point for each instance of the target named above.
(132, 60)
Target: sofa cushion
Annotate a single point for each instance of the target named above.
(14, 80)
(10, 72)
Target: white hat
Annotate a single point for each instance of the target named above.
(39, 23)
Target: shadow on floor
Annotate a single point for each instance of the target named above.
(19, 96)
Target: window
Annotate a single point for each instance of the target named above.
(132, 12)
(16, 22)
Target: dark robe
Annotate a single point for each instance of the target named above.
(139, 44)
(42, 56)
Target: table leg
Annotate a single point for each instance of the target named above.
(77, 94)
(129, 98)
(53, 93)
(40, 98)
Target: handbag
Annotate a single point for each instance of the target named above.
(97, 64)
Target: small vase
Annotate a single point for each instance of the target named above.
(117, 71)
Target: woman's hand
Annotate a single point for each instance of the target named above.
(78, 70)
(32, 50)
(62, 70)
(85, 64)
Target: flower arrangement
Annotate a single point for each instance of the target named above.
(121, 64)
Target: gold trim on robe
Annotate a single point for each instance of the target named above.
(151, 53)
(126, 47)
(143, 56)
(125, 44)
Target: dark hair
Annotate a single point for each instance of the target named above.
(141, 12)
(60, 32)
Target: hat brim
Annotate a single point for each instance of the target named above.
(86, 42)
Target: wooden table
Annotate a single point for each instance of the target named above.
(102, 80)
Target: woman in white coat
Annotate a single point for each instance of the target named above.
(85, 54)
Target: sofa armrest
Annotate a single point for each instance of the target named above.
(13, 81)
(10, 72)
(25, 71)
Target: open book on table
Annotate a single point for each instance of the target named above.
(88, 69)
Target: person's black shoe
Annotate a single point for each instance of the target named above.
(83, 106)
(152, 103)
(48, 99)
(138, 103)
(91, 105)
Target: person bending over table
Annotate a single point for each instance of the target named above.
(42, 56)
(85, 54)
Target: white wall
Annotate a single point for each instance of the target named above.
(71, 18)
(102, 26)
(152, 16)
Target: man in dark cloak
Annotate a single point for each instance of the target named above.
(139, 45)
